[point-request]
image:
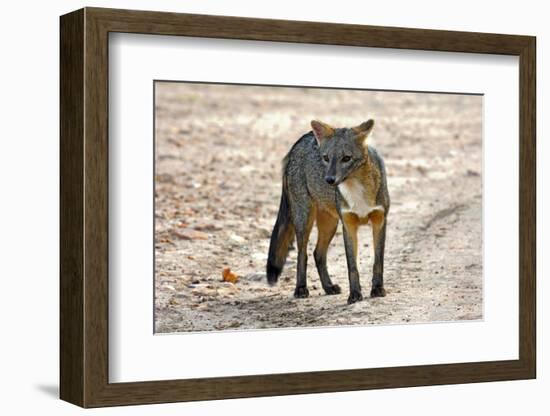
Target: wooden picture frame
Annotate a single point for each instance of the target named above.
(84, 207)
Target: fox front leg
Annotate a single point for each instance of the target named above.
(350, 226)
(378, 222)
(326, 228)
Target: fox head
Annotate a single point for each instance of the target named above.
(343, 150)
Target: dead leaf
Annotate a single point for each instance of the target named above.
(190, 234)
(208, 227)
(229, 276)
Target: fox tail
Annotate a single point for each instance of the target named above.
(281, 237)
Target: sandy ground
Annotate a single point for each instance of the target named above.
(217, 190)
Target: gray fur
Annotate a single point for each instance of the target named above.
(311, 162)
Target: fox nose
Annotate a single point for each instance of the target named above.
(330, 180)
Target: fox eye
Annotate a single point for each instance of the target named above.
(325, 158)
(346, 159)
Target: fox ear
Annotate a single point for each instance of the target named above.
(321, 130)
(363, 130)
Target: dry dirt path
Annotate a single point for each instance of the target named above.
(218, 153)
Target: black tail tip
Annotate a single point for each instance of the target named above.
(273, 272)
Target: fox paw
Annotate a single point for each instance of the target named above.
(354, 296)
(301, 292)
(378, 292)
(332, 290)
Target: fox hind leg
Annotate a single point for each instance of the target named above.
(378, 222)
(326, 226)
(303, 222)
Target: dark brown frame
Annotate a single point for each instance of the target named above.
(84, 207)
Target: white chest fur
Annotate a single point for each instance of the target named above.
(356, 198)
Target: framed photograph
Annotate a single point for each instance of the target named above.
(255, 207)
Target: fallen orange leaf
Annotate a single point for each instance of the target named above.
(229, 276)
